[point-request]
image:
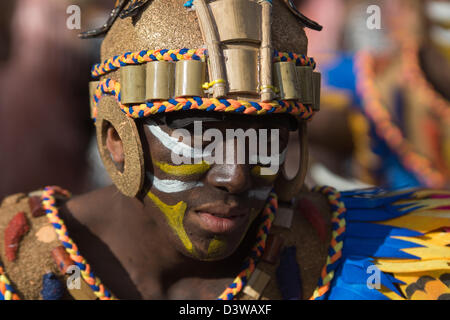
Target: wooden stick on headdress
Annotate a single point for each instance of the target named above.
(266, 86)
(216, 65)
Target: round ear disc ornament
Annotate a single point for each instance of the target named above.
(130, 180)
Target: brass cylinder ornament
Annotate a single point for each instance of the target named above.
(305, 79)
(242, 70)
(266, 51)
(92, 87)
(286, 80)
(189, 78)
(132, 84)
(317, 79)
(237, 20)
(160, 80)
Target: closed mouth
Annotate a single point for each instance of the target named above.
(220, 218)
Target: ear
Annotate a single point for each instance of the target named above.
(114, 145)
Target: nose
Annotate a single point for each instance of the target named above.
(233, 178)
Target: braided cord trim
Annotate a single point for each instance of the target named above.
(299, 59)
(257, 251)
(6, 290)
(112, 87)
(337, 243)
(49, 205)
(388, 131)
(143, 56)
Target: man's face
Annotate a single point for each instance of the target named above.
(205, 188)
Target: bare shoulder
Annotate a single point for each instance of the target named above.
(89, 207)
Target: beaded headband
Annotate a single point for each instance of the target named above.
(167, 89)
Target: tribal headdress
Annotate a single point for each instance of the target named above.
(234, 56)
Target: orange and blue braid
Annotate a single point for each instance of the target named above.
(335, 251)
(112, 87)
(6, 290)
(143, 56)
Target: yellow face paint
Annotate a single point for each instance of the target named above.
(175, 215)
(183, 170)
(256, 172)
(216, 247)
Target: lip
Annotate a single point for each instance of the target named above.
(220, 218)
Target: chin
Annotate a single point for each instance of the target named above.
(203, 254)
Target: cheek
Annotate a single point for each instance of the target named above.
(170, 187)
(174, 215)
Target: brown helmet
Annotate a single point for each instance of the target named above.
(240, 56)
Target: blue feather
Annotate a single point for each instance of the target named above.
(373, 202)
(380, 248)
(378, 214)
(371, 230)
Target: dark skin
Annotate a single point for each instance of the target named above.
(139, 254)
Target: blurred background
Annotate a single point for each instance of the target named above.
(45, 128)
(46, 135)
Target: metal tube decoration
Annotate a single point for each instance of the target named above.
(266, 65)
(216, 65)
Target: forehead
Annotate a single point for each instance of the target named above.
(166, 24)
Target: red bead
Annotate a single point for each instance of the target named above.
(273, 247)
(16, 229)
(309, 210)
(62, 259)
(36, 207)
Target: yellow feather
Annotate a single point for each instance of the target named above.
(422, 221)
(398, 266)
(425, 203)
(429, 251)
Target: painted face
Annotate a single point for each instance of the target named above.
(207, 187)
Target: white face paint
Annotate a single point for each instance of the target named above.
(172, 186)
(260, 194)
(171, 143)
(183, 153)
(438, 11)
